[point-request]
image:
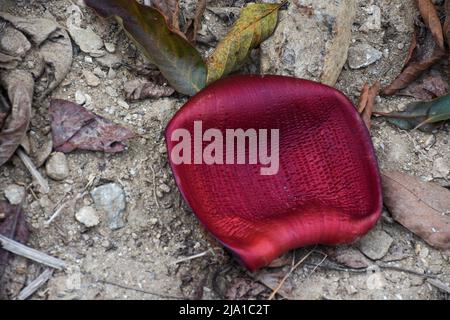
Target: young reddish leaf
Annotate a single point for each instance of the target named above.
(425, 54)
(179, 62)
(256, 23)
(19, 86)
(325, 154)
(421, 207)
(430, 17)
(74, 127)
(425, 116)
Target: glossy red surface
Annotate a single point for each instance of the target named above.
(327, 189)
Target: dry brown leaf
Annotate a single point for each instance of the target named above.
(425, 54)
(432, 86)
(194, 24)
(171, 10)
(362, 103)
(19, 86)
(447, 21)
(140, 89)
(367, 102)
(242, 288)
(430, 17)
(74, 127)
(421, 207)
(13, 226)
(348, 257)
(273, 279)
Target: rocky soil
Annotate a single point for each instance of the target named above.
(123, 238)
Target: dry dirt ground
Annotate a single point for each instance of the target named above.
(138, 260)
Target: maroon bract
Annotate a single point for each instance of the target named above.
(327, 189)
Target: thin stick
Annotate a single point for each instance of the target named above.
(33, 171)
(35, 284)
(195, 256)
(439, 284)
(30, 253)
(154, 187)
(62, 206)
(138, 290)
(280, 285)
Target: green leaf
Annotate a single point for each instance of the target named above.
(179, 62)
(256, 23)
(426, 115)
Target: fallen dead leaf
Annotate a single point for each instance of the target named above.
(19, 87)
(193, 25)
(367, 102)
(432, 86)
(272, 281)
(242, 288)
(348, 257)
(139, 89)
(430, 17)
(171, 11)
(447, 21)
(13, 226)
(425, 54)
(421, 207)
(74, 127)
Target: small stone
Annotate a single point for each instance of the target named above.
(99, 72)
(375, 244)
(373, 22)
(15, 194)
(441, 168)
(57, 167)
(375, 281)
(164, 188)
(91, 79)
(400, 46)
(111, 73)
(97, 53)
(86, 39)
(111, 92)
(110, 47)
(110, 199)
(363, 55)
(87, 216)
(123, 104)
(109, 60)
(88, 59)
(320, 31)
(80, 97)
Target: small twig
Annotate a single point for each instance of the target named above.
(195, 256)
(280, 285)
(30, 253)
(35, 284)
(139, 290)
(62, 206)
(33, 171)
(154, 186)
(325, 256)
(439, 284)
